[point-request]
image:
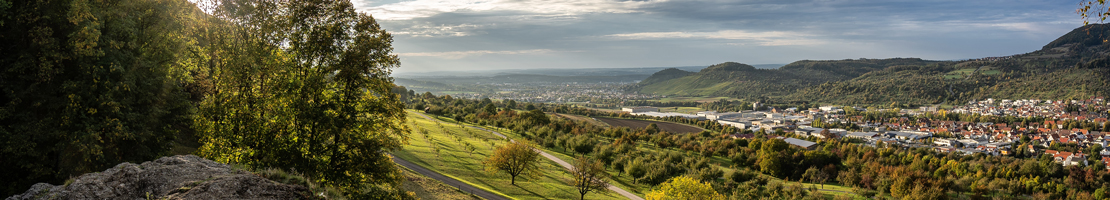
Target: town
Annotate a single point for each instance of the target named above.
(1078, 123)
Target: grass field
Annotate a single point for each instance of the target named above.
(695, 99)
(624, 181)
(456, 161)
(428, 188)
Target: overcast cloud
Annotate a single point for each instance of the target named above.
(451, 35)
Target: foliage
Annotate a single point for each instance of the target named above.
(514, 158)
(301, 85)
(589, 175)
(684, 187)
(89, 84)
(1093, 10)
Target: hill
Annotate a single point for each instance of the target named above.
(1073, 66)
(666, 74)
(745, 81)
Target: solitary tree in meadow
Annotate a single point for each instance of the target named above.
(515, 158)
(589, 175)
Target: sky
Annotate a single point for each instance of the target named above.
(467, 35)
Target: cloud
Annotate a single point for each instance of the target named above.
(768, 38)
(463, 54)
(425, 8)
(429, 30)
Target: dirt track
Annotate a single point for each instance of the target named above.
(665, 126)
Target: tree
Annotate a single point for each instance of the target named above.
(773, 157)
(684, 187)
(636, 169)
(589, 175)
(811, 174)
(514, 158)
(86, 85)
(301, 85)
(582, 144)
(535, 117)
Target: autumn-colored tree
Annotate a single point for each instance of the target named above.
(682, 188)
(589, 175)
(1093, 10)
(514, 158)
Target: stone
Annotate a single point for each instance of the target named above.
(174, 177)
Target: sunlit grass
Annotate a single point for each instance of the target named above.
(456, 161)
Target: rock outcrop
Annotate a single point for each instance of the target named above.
(176, 177)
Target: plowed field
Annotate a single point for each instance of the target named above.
(665, 126)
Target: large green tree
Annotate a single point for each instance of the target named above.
(301, 85)
(85, 85)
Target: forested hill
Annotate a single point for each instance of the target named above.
(666, 74)
(1073, 66)
(742, 80)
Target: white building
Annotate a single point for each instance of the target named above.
(668, 114)
(801, 143)
(713, 115)
(640, 109)
(737, 124)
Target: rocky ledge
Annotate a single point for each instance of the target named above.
(176, 177)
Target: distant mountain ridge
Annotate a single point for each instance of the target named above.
(736, 79)
(1073, 66)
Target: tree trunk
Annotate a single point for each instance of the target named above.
(513, 180)
(583, 197)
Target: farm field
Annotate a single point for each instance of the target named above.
(582, 118)
(694, 99)
(665, 126)
(455, 159)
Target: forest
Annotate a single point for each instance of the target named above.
(257, 84)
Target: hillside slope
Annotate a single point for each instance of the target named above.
(1074, 66)
(745, 81)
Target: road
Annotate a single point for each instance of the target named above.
(467, 188)
(566, 165)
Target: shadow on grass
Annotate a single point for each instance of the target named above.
(529, 191)
(623, 182)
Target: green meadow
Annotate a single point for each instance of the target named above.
(461, 151)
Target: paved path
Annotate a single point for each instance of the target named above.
(566, 165)
(467, 188)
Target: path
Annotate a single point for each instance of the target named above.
(566, 165)
(467, 188)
